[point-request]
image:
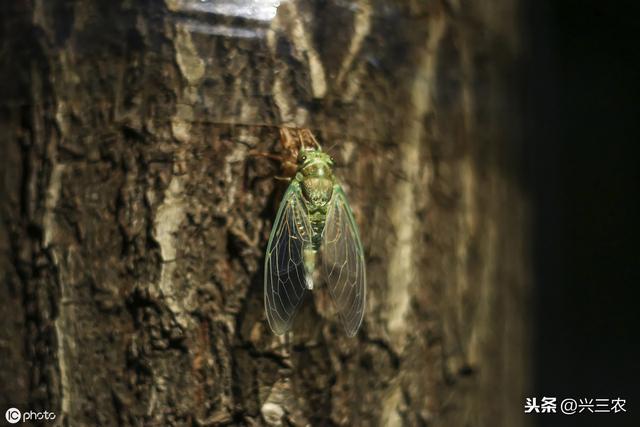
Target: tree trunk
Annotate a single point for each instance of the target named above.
(134, 219)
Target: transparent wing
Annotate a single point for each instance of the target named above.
(343, 262)
(284, 273)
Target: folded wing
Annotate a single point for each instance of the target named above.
(284, 273)
(343, 262)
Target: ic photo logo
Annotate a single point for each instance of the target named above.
(14, 416)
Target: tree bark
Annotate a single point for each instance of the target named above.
(135, 219)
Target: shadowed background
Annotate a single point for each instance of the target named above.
(582, 130)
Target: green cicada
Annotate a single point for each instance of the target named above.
(314, 222)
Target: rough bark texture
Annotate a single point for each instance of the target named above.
(134, 221)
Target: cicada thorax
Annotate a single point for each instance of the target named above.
(317, 193)
(316, 182)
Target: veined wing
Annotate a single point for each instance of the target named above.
(343, 262)
(284, 272)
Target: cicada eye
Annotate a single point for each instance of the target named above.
(303, 158)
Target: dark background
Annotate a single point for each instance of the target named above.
(581, 126)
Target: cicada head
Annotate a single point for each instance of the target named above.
(315, 164)
(307, 157)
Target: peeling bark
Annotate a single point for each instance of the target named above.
(134, 220)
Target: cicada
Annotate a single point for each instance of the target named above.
(314, 229)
